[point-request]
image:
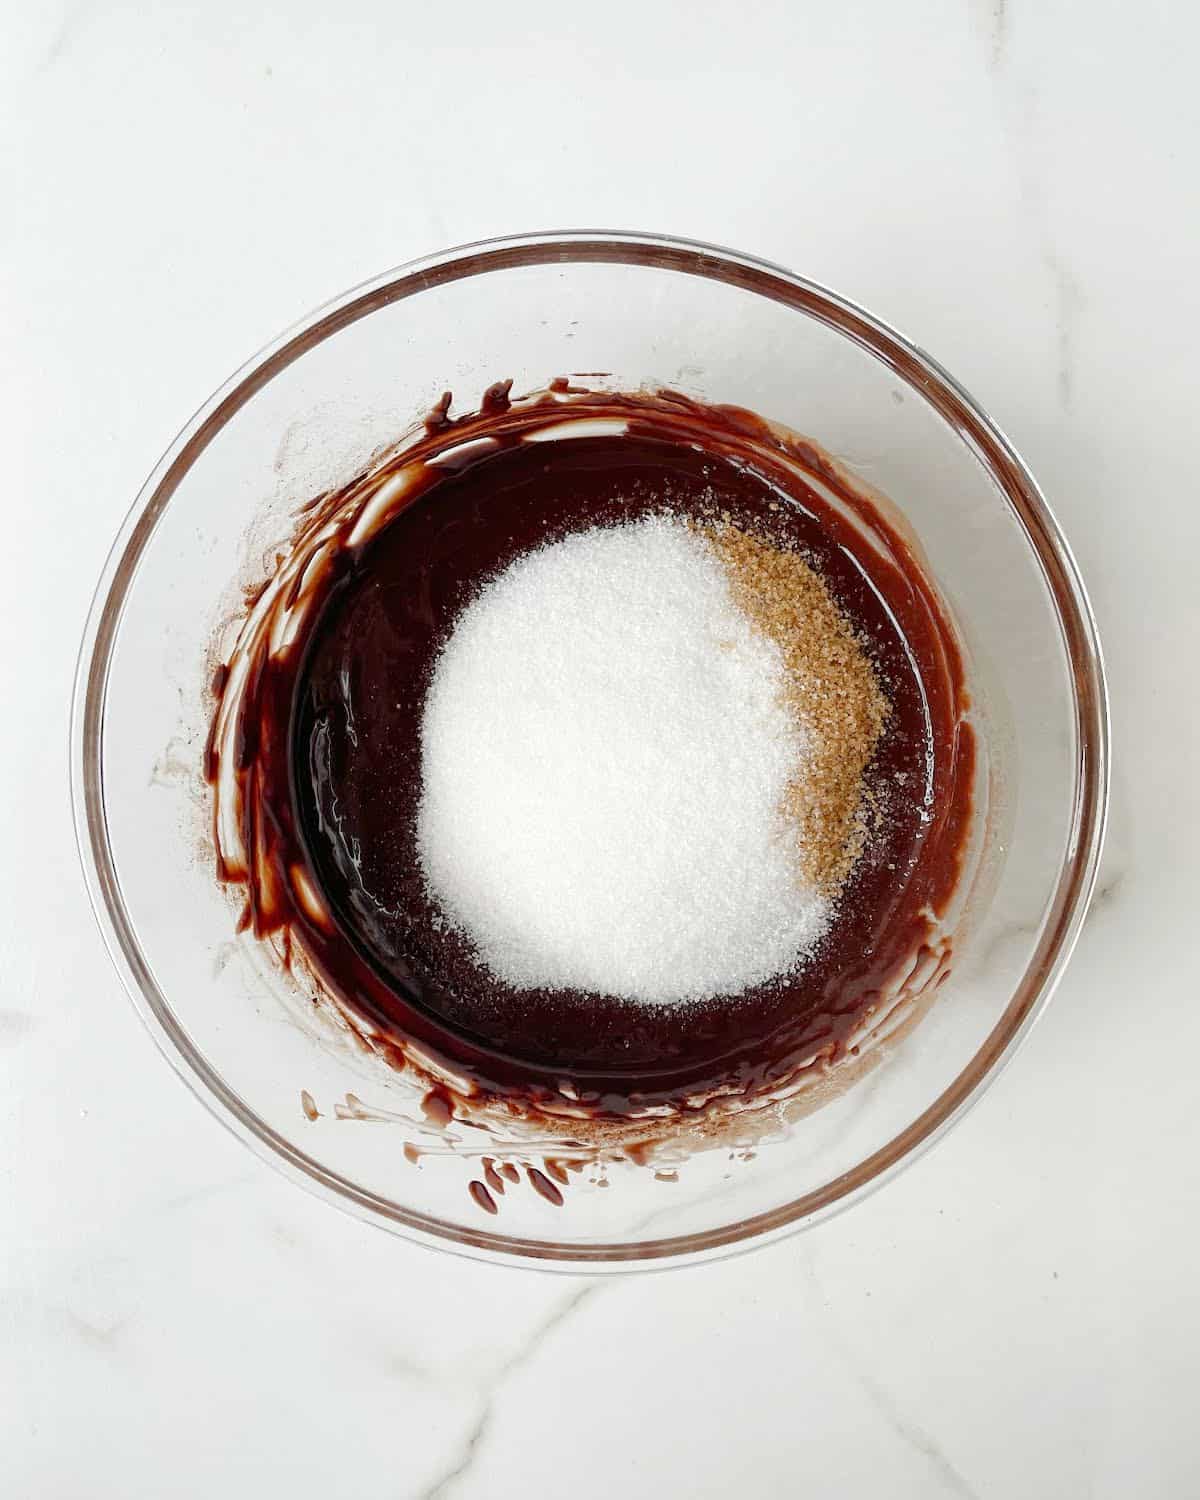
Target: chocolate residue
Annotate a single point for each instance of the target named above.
(495, 400)
(483, 1197)
(333, 658)
(437, 1107)
(439, 417)
(543, 1185)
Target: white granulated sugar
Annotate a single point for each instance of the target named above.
(605, 756)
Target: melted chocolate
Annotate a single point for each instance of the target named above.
(327, 743)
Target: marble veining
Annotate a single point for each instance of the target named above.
(63, 36)
(1108, 892)
(997, 20)
(15, 1026)
(942, 1472)
(465, 1458)
(1069, 300)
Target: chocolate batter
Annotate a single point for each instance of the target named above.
(326, 736)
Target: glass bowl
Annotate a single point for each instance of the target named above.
(621, 311)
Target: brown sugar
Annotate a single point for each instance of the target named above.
(832, 689)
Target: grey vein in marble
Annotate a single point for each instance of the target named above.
(1003, 935)
(1069, 297)
(63, 35)
(15, 1026)
(1106, 893)
(471, 1444)
(23, 1315)
(911, 1433)
(915, 1436)
(1021, 105)
(179, 1201)
(102, 1339)
(999, 30)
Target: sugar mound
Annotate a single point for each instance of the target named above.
(605, 756)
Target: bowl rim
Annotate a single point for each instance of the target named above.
(926, 378)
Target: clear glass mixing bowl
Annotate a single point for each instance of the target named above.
(623, 310)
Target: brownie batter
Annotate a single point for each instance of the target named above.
(316, 813)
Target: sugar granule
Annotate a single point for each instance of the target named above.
(608, 749)
(830, 687)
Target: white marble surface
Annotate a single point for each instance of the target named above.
(1014, 185)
